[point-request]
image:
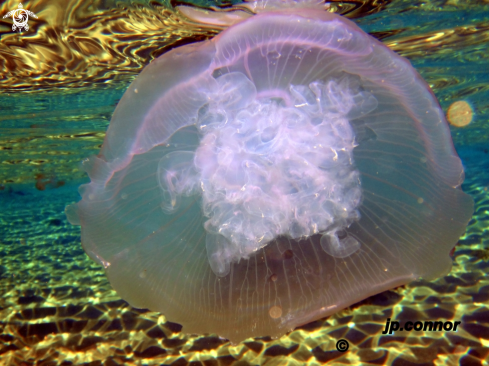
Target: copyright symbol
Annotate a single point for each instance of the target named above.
(342, 345)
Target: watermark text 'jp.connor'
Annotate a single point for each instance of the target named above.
(421, 326)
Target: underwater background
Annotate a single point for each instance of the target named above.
(59, 84)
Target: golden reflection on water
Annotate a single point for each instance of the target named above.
(441, 42)
(79, 43)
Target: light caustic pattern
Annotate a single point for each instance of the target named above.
(269, 167)
(283, 170)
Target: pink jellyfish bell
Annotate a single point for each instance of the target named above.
(283, 170)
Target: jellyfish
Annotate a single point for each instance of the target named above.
(273, 175)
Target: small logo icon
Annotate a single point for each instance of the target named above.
(342, 345)
(20, 17)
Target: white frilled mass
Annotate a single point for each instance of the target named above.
(267, 167)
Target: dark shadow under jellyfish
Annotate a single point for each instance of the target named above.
(283, 170)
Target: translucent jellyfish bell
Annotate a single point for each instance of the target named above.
(283, 170)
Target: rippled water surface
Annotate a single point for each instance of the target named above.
(59, 84)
